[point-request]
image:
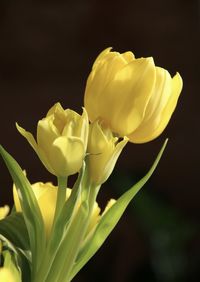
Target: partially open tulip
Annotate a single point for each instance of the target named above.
(132, 96)
(103, 152)
(61, 140)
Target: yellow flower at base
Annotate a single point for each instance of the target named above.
(103, 152)
(61, 140)
(6, 275)
(132, 96)
(46, 195)
(4, 211)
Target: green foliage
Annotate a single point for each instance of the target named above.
(109, 220)
(13, 227)
(31, 212)
(69, 247)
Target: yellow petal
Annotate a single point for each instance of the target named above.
(68, 153)
(39, 151)
(128, 56)
(177, 85)
(158, 121)
(159, 98)
(46, 195)
(6, 275)
(52, 110)
(125, 97)
(29, 137)
(4, 211)
(110, 203)
(160, 94)
(103, 151)
(83, 128)
(97, 139)
(46, 133)
(98, 80)
(102, 56)
(109, 166)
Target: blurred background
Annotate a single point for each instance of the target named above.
(46, 52)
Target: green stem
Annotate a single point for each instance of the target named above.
(61, 197)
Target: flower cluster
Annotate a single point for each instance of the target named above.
(126, 99)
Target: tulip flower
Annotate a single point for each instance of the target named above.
(132, 96)
(46, 194)
(104, 150)
(61, 140)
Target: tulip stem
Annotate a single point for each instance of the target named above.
(61, 196)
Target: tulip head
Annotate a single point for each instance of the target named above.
(61, 140)
(131, 96)
(103, 152)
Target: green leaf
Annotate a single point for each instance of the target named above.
(69, 247)
(110, 219)
(14, 229)
(31, 212)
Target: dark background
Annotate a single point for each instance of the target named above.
(46, 52)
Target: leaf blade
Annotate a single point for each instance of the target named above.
(12, 227)
(31, 211)
(111, 218)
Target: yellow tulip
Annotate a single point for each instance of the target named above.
(46, 195)
(103, 152)
(61, 140)
(4, 211)
(6, 275)
(132, 96)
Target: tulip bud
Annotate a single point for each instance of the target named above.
(131, 96)
(104, 150)
(61, 140)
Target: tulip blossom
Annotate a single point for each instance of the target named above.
(61, 140)
(132, 96)
(53, 231)
(104, 150)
